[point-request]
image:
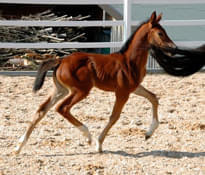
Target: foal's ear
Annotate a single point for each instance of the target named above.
(152, 18)
(159, 17)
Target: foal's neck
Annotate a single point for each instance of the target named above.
(139, 47)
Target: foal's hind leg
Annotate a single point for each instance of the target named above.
(43, 109)
(119, 103)
(141, 91)
(66, 105)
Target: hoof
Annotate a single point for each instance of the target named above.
(15, 152)
(89, 141)
(86, 133)
(100, 151)
(147, 137)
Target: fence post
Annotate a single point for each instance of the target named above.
(127, 19)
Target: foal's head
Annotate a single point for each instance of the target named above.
(157, 36)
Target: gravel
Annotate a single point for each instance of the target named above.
(57, 148)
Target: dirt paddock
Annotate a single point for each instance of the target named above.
(57, 148)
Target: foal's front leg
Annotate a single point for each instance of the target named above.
(141, 91)
(119, 103)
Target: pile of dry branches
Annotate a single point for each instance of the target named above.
(13, 58)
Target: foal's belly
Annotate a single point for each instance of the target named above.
(114, 85)
(105, 85)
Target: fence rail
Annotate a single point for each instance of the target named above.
(97, 2)
(47, 23)
(61, 45)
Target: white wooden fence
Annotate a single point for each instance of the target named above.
(127, 23)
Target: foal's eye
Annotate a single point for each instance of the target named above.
(160, 34)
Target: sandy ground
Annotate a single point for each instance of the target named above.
(57, 148)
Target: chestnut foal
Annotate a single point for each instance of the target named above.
(120, 72)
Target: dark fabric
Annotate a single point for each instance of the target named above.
(184, 61)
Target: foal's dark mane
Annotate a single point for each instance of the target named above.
(129, 40)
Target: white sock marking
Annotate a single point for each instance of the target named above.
(153, 127)
(22, 141)
(22, 138)
(98, 146)
(86, 132)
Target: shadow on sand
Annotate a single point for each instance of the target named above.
(160, 153)
(155, 153)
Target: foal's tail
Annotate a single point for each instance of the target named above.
(41, 74)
